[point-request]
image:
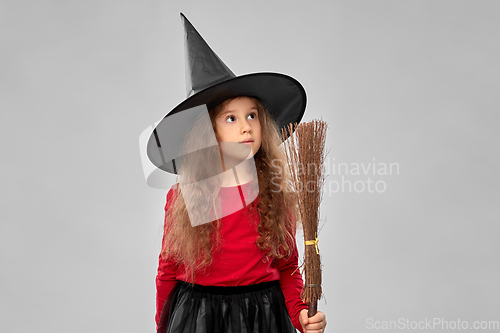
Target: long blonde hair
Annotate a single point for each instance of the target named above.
(277, 208)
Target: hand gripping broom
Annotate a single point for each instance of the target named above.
(305, 153)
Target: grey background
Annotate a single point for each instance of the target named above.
(409, 82)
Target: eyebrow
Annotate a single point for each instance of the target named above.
(228, 111)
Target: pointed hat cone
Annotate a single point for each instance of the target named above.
(203, 67)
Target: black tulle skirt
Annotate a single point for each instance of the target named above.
(258, 308)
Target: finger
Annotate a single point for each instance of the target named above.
(313, 327)
(303, 317)
(318, 317)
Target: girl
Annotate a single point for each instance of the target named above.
(243, 266)
(229, 260)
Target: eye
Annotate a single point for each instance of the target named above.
(229, 117)
(254, 115)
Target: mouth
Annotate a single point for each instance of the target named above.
(247, 141)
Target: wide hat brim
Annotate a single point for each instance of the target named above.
(283, 97)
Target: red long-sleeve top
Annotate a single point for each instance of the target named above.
(239, 263)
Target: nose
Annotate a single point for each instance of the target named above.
(245, 127)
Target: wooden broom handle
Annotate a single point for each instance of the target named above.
(313, 308)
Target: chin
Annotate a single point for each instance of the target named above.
(250, 155)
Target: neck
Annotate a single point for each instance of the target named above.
(240, 174)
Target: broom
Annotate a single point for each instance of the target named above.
(305, 155)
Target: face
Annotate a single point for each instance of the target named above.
(239, 121)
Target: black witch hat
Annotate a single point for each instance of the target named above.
(209, 82)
